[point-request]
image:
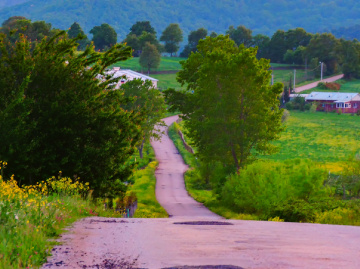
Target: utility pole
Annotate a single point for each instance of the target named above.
(322, 68)
(294, 78)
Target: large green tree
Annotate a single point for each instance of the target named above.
(349, 55)
(150, 103)
(74, 31)
(324, 46)
(142, 26)
(104, 36)
(193, 40)
(150, 57)
(241, 35)
(34, 31)
(230, 109)
(172, 36)
(56, 115)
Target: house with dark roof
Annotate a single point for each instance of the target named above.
(333, 101)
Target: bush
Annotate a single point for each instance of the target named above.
(264, 185)
(289, 106)
(358, 112)
(321, 85)
(339, 111)
(307, 106)
(313, 107)
(285, 116)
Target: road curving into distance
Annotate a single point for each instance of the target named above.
(195, 238)
(170, 186)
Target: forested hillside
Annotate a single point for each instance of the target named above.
(9, 3)
(261, 16)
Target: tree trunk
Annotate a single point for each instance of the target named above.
(235, 159)
(141, 149)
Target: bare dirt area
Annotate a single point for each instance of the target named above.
(196, 238)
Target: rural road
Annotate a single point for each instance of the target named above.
(195, 238)
(170, 187)
(314, 84)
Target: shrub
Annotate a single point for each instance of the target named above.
(358, 112)
(339, 111)
(321, 85)
(285, 115)
(313, 107)
(262, 186)
(289, 106)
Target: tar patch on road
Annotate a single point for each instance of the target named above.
(206, 267)
(203, 223)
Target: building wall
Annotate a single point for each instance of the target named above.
(330, 106)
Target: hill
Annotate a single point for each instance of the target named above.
(260, 16)
(9, 3)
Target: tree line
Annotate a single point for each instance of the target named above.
(295, 46)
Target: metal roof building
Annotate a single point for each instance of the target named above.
(129, 75)
(332, 96)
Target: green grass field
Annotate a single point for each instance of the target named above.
(166, 64)
(346, 86)
(167, 81)
(326, 138)
(173, 64)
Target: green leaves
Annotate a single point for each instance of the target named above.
(58, 116)
(230, 109)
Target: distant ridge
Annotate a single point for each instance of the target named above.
(261, 16)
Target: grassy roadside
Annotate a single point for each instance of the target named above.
(258, 200)
(143, 185)
(144, 188)
(198, 192)
(30, 216)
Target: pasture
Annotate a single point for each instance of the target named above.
(166, 64)
(326, 138)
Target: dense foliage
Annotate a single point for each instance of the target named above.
(261, 16)
(231, 111)
(104, 37)
(74, 31)
(56, 115)
(148, 101)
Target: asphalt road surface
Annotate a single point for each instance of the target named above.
(196, 238)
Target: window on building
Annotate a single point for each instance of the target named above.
(355, 105)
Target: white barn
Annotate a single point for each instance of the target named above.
(128, 74)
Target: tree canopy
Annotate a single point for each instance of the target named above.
(149, 102)
(262, 16)
(74, 31)
(104, 36)
(172, 36)
(231, 112)
(55, 115)
(150, 57)
(193, 40)
(241, 35)
(34, 31)
(142, 26)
